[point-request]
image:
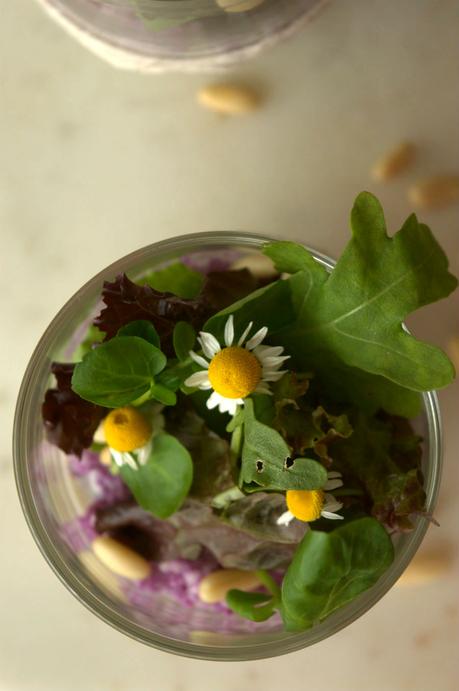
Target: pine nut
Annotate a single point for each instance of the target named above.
(394, 162)
(425, 568)
(215, 585)
(120, 559)
(238, 5)
(434, 192)
(229, 99)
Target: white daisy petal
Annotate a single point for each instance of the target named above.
(333, 473)
(229, 405)
(263, 389)
(214, 400)
(245, 334)
(229, 331)
(331, 503)
(197, 379)
(333, 484)
(273, 376)
(273, 361)
(285, 518)
(268, 351)
(257, 338)
(198, 359)
(209, 344)
(205, 386)
(331, 516)
(117, 457)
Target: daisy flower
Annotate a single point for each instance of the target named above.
(236, 369)
(309, 505)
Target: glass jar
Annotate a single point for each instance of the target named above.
(52, 496)
(182, 35)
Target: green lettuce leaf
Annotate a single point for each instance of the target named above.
(331, 569)
(210, 453)
(266, 460)
(162, 483)
(178, 279)
(118, 372)
(356, 312)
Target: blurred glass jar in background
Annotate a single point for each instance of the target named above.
(179, 35)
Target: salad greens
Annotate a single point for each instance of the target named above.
(118, 372)
(280, 433)
(263, 442)
(331, 569)
(356, 312)
(161, 484)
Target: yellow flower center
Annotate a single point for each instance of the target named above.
(126, 429)
(306, 505)
(234, 372)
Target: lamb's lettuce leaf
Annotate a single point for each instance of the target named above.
(161, 484)
(331, 569)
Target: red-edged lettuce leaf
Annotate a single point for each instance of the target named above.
(383, 457)
(70, 421)
(222, 288)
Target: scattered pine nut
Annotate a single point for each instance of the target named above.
(394, 162)
(238, 5)
(229, 99)
(435, 191)
(425, 568)
(120, 559)
(215, 585)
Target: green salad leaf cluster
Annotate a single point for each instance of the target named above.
(355, 375)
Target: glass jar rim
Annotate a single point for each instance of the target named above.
(284, 642)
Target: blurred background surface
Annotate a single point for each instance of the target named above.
(96, 162)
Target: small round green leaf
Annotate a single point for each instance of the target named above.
(162, 483)
(143, 329)
(118, 372)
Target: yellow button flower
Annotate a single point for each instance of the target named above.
(234, 372)
(126, 429)
(309, 505)
(237, 368)
(306, 505)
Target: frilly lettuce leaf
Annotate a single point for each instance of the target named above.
(383, 456)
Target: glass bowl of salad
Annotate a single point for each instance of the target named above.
(183, 35)
(229, 447)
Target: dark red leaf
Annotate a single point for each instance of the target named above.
(70, 421)
(222, 288)
(126, 302)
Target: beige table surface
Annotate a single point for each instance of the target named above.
(95, 163)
